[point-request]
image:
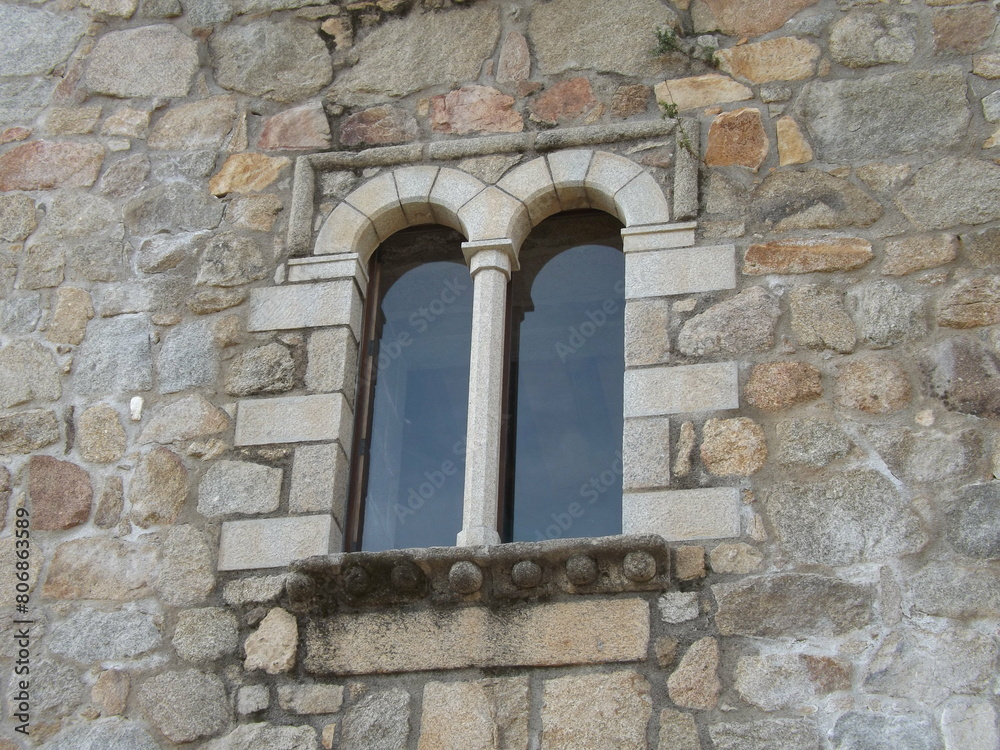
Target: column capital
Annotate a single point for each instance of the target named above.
(498, 254)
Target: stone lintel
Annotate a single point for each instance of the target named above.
(684, 270)
(329, 267)
(661, 390)
(272, 542)
(681, 515)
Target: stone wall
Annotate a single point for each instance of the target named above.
(166, 168)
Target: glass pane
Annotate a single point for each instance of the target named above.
(566, 379)
(416, 463)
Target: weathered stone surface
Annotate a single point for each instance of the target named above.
(230, 260)
(72, 312)
(770, 734)
(676, 607)
(188, 358)
(782, 59)
(963, 31)
(257, 212)
(311, 699)
(956, 591)
(952, 191)
(143, 62)
(110, 692)
(72, 120)
(186, 704)
(239, 487)
(254, 590)
(564, 102)
(629, 100)
(56, 689)
(189, 418)
(571, 719)
(905, 255)
(792, 604)
(246, 173)
(812, 199)
(475, 715)
(161, 252)
(750, 18)
(27, 431)
(695, 683)
(982, 248)
(965, 375)
(701, 91)
(379, 721)
(871, 118)
(285, 61)
(883, 177)
(927, 666)
(20, 315)
(778, 385)
(514, 65)
(252, 698)
(736, 557)
(172, 207)
(202, 124)
(304, 127)
(110, 503)
(811, 441)
(187, 572)
(819, 319)
(158, 488)
(128, 122)
(742, 324)
(733, 447)
(22, 100)
(873, 385)
(266, 737)
(379, 126)
(970, 303)
(78, 214)
(272, 646)
(18, 217)
(969, 722)
(61, 494)
(38, 40)
(974, 521)
(99, 568)
(647, 326)
(846, 519)
(44, 165)
(205, 634)
(91, 635)
(865, 38)
(792, 145)
(890, 316)
(99, 735)
(737, 138)
(28, 372)
(266, 369)
(42, 267)
(677, 731)
(781, 680)
(101, 435)
(475, 109)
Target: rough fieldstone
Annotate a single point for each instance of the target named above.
(110, 503)
(158, 488)
(56, 689)
(72, 312)
(514, 64)
(864, 39)
(843, 520)
(208, 301)
(163, 295)
(161, 252)
(475, 109)
(110, 692)
(782, 59)
(18, 216)
(969, 723)
(257, 212)
(285, 61)
(90, 635)
(965, 375)
(564, 102)
(570, 719)
(890, 316)
(304, 127)
(956, 591)
(974, 521)
(72, 120)
(252, 698)
(629, 100)
(144, 62)
(927, 666)
(971, 303)
(792, 604)
(190, 418)
(101, 435)
(61, 494)
(936, 455)
(172, 207)
(103, 735)
(575, 34)
(379, 126)
(792, 145)
(230, 260)
(778, 385)
(76, 214)
(781, 680)
(819, 319)
(905, 255)
(811, 441)
(737, 138)
(247, 173)
(20, 315)
(742, 324)
(203, 124)
(254, 590)
(185, 705)
(676, 607)
(695, 683)
(736, 557)
(733, 447)
(982, 248)
(266, 369)
(751, 17)
(28, 372)
(27, 431)
(99, 568)
(272, 646)
(22, 100)
(188, 358)
(125, 177)
(187, 572)
(873, 385)
(952, 191)
(44, 165)
(205, 634)
(492, 712)
(127, 122)
(37, 40)
(42, 267)
(872, 117)
(266, 737)
(883, 177)
(701, 91)
(770, 734)
(203, 14)
(311, 699)
(239, 487)
(963, 31)
(811, 199)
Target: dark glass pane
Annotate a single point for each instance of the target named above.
(416, 462)
(568, 360)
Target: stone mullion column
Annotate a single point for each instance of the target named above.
(490, 264)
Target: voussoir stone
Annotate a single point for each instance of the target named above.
(475, 109)
(864, 39)
(737, 138)
(45, 165)
(185, 705)
(974, 521)
(778, 385)
(965, 375)
(148, 61)
(952, 191)
(812, 199)
(751, 17)
(379, 126)
(571, 719)
(158, 489)
(733, 447)
(61, 493)
(239, 487)
(100, 568)
(820, 320)
(203, 124)
(284, 61)
(782, 59)
(971, 303)
(875, 385)
(101, 435)
(304, 127)
(742, 324)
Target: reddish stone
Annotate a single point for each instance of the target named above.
(777, 385)
(44, 165)
(60, 493)
(874, 385)
(379, 125)
(737, 139)
(301, 127)
(828, 674)
(630, 100)
(515, 59)
(475, 109)
(807, 255)
(14, 134)
(963, 30)
(564, 101)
